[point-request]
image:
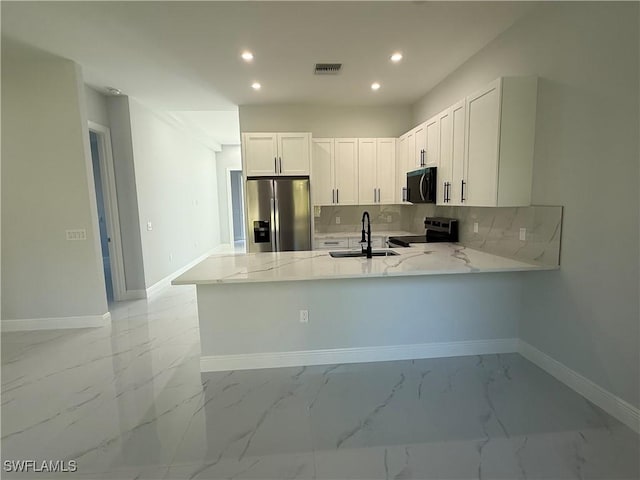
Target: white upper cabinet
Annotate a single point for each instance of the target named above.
(420, 149)
(431, 155)
(458, 125)
(500, 133)
(401, 169)
(260, 153)
(346, 171)
(294, 151)
(376, 170)
(268, 154)
(367, 177)
(444, 172)
(482, 146)
(334, 178)
(322, 171)
(386, 170)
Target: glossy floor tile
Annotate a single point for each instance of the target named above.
(128, 402)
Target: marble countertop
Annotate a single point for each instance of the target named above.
(353, 234)
(420, 259)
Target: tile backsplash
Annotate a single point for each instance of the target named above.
(499, 229)
(383, 218)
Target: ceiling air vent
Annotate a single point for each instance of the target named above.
(327, 68)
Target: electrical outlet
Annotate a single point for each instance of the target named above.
(523, 234)
(475, 227)
(78, 234)
(337, 220)
(304, 316)
(389, 219)
(149, 226)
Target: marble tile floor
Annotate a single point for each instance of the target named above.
(128, 402)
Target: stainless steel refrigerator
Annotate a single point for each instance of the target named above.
(278, 214)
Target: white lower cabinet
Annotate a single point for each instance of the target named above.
(334, 243)
(351, 242)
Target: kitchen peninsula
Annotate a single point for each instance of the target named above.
(419, 303)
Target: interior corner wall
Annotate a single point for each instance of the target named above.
(327, 121)
(127, 196)
(586, 315)
(47, 189)
(176, 186)
(97, 110)
(229, 158)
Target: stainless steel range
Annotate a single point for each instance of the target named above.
(437, 229)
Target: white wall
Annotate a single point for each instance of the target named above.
(229, 157)
(97, 110)
(46, 189)
(361, 313)
(586, 158)
(326, 121)
(176, 188)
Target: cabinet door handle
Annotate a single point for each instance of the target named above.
(379, 196)
(462, 199)
(404, 194)
(333, 195)
(275, 164)
(337, 195)
(280, 158)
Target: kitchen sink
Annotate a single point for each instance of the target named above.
(353, 254)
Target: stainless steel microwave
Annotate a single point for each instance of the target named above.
(421, 186)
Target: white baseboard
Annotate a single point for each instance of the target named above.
(166, 281)
(219, 363)
(133, 295)
(55, 323)
(610, 403)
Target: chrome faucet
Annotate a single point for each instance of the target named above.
(366, 250)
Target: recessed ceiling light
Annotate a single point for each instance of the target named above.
(396, 57)
(247, 56)
(375, 86)
(256, 86)
(114, 91)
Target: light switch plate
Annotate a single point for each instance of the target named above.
(475, 227)
(149, 226)
(523, 234)
(337, 220)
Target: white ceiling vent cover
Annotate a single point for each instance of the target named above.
(327, 68)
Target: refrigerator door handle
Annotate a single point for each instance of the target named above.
(274, 231)
(277, 224)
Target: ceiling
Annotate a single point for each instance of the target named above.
(184, 57)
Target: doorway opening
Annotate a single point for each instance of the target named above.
(107, 212)
(102, 216)
(236, 210)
